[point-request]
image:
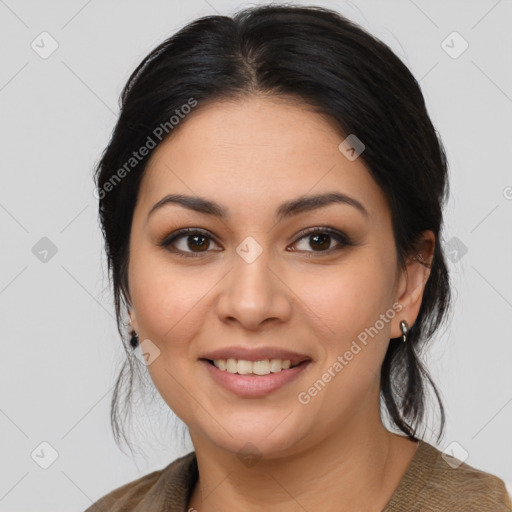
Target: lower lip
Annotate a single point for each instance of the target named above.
(253, 386)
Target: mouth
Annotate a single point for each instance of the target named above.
(253, 372)
(254, 379)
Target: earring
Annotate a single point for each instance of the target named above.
(134, 337)
(405, 329)
(134, 341)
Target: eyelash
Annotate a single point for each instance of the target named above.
(340, 237)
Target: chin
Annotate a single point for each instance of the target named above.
(255, 435)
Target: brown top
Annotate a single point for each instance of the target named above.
(433, 482)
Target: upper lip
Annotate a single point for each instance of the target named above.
(256, 354)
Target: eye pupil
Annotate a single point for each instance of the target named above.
(197, 244)
(322, 237)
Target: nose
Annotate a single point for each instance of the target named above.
(254, 293)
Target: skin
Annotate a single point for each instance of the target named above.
(250, 155)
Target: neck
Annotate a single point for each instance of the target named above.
(356, 469)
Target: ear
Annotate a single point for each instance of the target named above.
(411, 284)
(133, 320)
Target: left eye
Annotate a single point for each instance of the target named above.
(322, 239)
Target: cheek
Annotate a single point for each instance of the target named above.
(348, 298)
(346, 305)
(170, 313)
(167, 298)
(167, 304)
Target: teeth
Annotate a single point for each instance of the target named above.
(244, 367)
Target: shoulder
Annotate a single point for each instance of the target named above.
(450, 484)
(154, 491)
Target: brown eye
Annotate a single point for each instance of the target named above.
(197, 241)
(188, 242)
(321, 240)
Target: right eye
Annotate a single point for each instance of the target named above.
(185, 242)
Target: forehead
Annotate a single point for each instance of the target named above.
(256, 124)
(258, 148)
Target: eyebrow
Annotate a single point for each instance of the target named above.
(284, 211)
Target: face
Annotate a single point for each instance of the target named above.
(315, 280)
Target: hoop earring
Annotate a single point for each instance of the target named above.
(404, 327)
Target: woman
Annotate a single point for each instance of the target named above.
(271, 201)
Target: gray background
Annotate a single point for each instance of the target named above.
(61, 352)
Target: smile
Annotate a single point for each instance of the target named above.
(245, 367)
(253, 379)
